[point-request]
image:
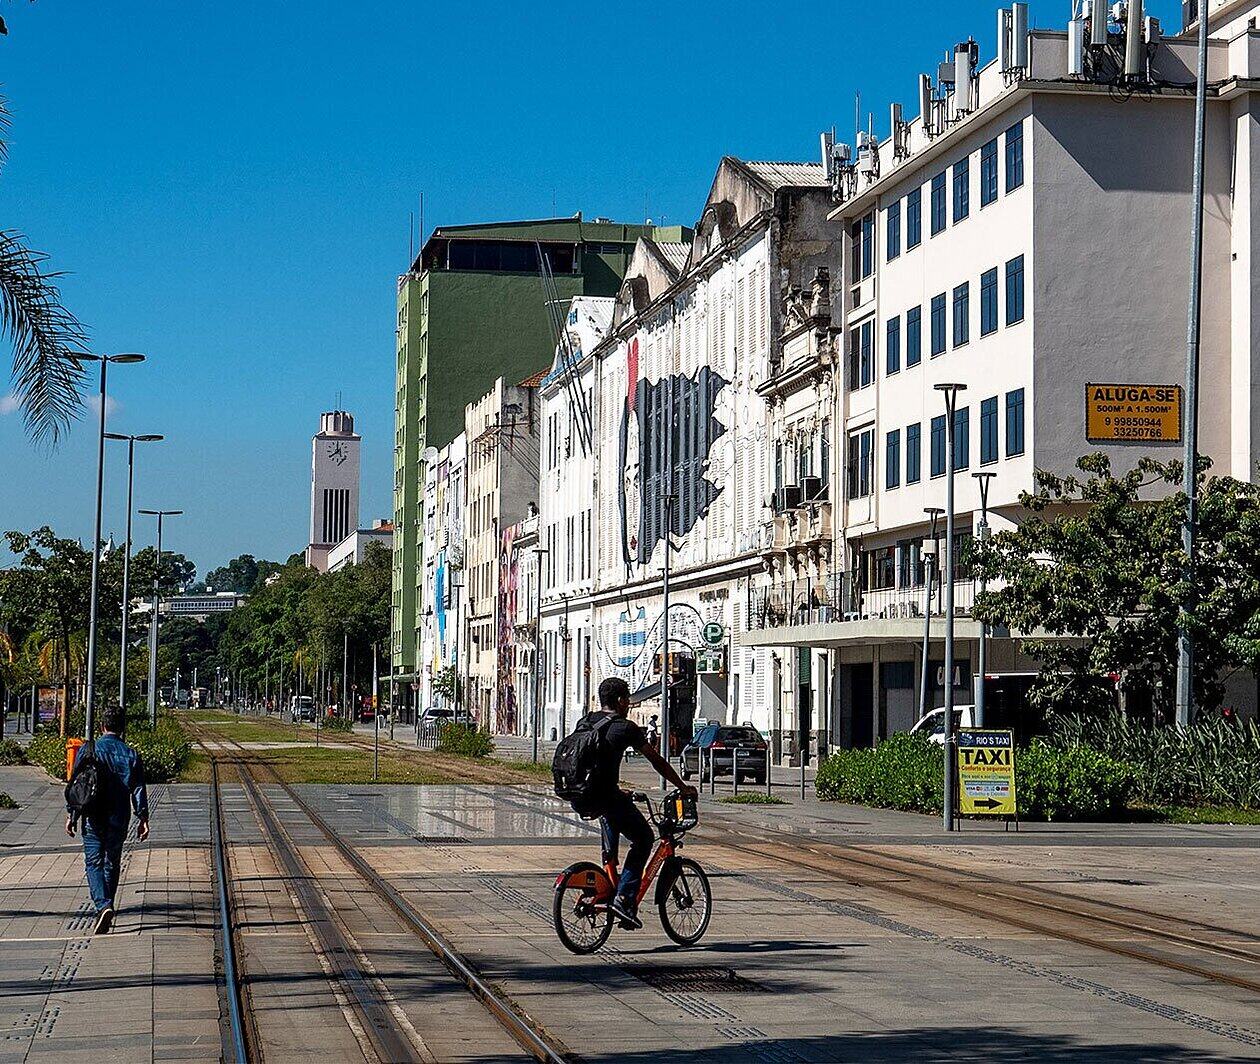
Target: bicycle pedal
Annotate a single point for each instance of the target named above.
(626, 925)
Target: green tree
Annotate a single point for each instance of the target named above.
(242, 574)
(1097, 561)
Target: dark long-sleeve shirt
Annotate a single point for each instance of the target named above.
(123, 787)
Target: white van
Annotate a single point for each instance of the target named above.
(932, 723)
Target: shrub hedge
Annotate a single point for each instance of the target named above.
(905, 772)
(165, 750)
(336, 724)
(464, 739)
(11, 753)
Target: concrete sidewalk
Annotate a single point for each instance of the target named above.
(144, 992)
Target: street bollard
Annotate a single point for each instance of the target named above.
(803, 760)
(712, 772)
(735, 771)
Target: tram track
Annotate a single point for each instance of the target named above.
(383, 1031)
(1123, 930)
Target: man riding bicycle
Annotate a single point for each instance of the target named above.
(618, 815)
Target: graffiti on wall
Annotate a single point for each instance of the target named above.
(634, 646)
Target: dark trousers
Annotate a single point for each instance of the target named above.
(102, 857)
(622, 817)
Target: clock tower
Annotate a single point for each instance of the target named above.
(334, 485)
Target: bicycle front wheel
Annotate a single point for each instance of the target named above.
(582, 924)
(687, 905)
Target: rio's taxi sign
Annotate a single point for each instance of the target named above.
(986, 771)
(1146, 413)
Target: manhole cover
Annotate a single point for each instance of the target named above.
(444, 840)
(708, 979)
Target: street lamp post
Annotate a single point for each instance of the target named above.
(126, 592)
(537, 699)
(950, 392)
(929, 566)
(982, 662)
(125, 358)
(153, 617)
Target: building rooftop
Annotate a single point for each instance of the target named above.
(786, 175)
(674, 254)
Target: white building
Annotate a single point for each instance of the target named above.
(350, 550)
(441, 601)
(334, 485)
(1029, 237)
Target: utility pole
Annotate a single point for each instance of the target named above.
(929, 568)
(950, 392)
(982, 664)
(1189, 476)
(538, 697)
(153, 616)
(667, 503)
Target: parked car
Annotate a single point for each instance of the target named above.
(719, 743)
(932, 723)
(302, 707)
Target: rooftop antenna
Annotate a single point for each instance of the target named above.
(420, 231)
(857, 118)
(411, 238)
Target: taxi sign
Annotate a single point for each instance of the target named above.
(986, 771)
(1149, 413)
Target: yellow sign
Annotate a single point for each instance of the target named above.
(986, 771)
(1148, 413)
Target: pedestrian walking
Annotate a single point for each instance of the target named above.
(118, 790)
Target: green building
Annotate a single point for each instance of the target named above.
(471, 309)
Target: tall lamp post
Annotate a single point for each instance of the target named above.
(537, 699)
(126, 592)
(982, 664)
(125, 358)
(929, 565)
(950, 392)
(153, 618)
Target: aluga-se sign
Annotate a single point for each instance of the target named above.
(1150, 413)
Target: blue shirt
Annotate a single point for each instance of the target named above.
(123, 782)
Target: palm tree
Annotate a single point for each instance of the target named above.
(47, 339)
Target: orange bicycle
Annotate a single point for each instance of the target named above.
(683, 898)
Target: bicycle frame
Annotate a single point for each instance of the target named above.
(665, 849)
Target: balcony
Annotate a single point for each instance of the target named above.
(776, 535)
(838, 598)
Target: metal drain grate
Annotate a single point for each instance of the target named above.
(444, 840)
(707, 979)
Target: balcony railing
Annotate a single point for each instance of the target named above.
(839, 598)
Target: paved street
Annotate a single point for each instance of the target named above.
(800, 963)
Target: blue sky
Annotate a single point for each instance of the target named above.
(229, 187)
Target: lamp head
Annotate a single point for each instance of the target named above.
(126, 357)
(116, 436)
(149, 437)
(950, 387)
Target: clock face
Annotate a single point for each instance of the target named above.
(337, 452)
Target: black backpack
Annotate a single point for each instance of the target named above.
(83, 792)
(576, 767)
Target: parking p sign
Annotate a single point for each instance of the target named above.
(714, 633)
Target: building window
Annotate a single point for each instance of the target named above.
(962, 314)
(861, 445)
(1014, 156)
(914, 336)
(989, 430)
(892, 345)
(892, 225)
(962, 437)
(1015, 422)
(867, 362)
(892, 459)
(913, 456)
(1015, 290)
(962, 189)
(988, 302)
(868, 245)
(988, 173)
(861, 358)
(882, 568)
(938, 203)
(938, 445)
(938, 324)
(914, 218)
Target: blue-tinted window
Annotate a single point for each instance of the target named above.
(962, 314)
(868, 245)
(854, 361)
(988, 173)
(912, 454)
(988, 301)
(914, 336)
(892, 227)
(938, 445)
(989, 430)
(867, 361)
(914, 218)
(1015, 156)
(938, 324)
(892, 345)
(938, 203)
(1015, 422)
(962, 437)
(892, 459)
(1015, 290)
(962, 189)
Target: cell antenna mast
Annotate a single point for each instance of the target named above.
(560, 334)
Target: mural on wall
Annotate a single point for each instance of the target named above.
(671, 420)
(634, 647)
(506, 710)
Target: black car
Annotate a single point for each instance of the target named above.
(719, 743)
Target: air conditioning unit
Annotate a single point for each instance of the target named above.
(813, 489)
(787, 498)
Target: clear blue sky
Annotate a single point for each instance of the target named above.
(229, 187)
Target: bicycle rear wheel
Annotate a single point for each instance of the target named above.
(687, 905)
(581, 925)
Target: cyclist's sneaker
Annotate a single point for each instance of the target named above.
(624, 911)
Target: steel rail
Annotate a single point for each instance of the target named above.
(231, 975)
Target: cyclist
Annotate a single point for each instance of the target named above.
(618, 815)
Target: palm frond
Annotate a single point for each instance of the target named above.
(47, 340)
(5, 115)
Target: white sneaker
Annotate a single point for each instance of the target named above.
(105, 921)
